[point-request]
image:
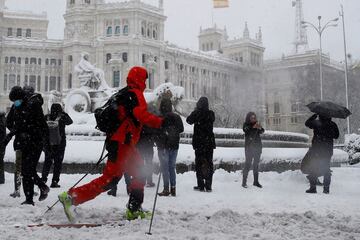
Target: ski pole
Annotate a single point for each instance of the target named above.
(102, 158)
(154, 206)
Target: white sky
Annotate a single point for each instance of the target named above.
(276, 17)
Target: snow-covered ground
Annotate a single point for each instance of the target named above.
(281, 210)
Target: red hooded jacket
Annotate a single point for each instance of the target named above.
(136, 81)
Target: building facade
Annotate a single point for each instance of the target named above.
(117, 36)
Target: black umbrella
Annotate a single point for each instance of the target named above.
(329, 109)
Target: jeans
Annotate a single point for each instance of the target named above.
(252, 157)
(167, 159)
(53, 154)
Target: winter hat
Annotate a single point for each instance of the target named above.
(16, 93)
(203, 103)
(137, 78)
(165, 106)
(29, 90)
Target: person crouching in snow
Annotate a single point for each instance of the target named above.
(123, 155)
(253, 148)
(168, 146)
(203, 143)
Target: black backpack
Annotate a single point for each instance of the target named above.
(106, 116)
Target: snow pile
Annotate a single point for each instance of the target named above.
(89, 152)
(352, 147)
(281, 210)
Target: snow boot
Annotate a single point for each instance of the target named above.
(257, 184)
(54, 185)
(196, 188)
(133, 215)
(312, 189)
(44, 193)
(164, 193)
(326, 190)
(173, 191)
(15, 194)
(66, 201)
(244, 180)
(256, 180)
(112, 192)
(28, 202)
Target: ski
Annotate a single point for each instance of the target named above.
(74, 225)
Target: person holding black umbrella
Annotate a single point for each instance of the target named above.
(316, 163)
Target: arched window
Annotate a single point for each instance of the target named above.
(39, 61)
(32, 60)
(12, 59)
(109, 31)
(117, 30)
(277, 108)
(155, 36)
(47, 61)
(5, 82)
(19, 60)
(108, 57)
(126, 28)
(18, 80)
(70, 58)
(125, 57)
(28, 33)
(116, 79)
(19, 32)
(26, 82)
(26, 60)
(70, 81)
(39, 83)
(6, 59)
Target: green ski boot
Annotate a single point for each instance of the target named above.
(133, 215)
(66, 201)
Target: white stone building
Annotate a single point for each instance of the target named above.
(118, 36)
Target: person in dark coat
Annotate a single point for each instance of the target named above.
(26, 120)
(203, 143)
(168, 146)
(55, 150)
(317, 161)
(2, 146)
(146, 148)
(253, 148)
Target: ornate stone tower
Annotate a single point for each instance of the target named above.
(301, 41)
(212, 39)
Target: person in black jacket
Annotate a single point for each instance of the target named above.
(55, 149)
(26, 120)
(168, 146)
(2, 146)
(253, 148)
(321, 151)
(203, 143)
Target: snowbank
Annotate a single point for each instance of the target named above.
(89, 152)
(352, 147)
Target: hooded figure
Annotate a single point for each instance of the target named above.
(55, 152)
(317, 161)
(203, 142)
(123, 157)
(2, 146)
(168, 146)
(26, 121)
(253, 148)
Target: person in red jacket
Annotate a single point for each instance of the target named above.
(123, 155)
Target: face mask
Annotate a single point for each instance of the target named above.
(18, 103)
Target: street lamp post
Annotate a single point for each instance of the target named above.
(320, 30)
(346, 67)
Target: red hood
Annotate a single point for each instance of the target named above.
(137, 78)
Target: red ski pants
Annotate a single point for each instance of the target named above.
(122, 159)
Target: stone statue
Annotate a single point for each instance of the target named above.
(89, 75)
